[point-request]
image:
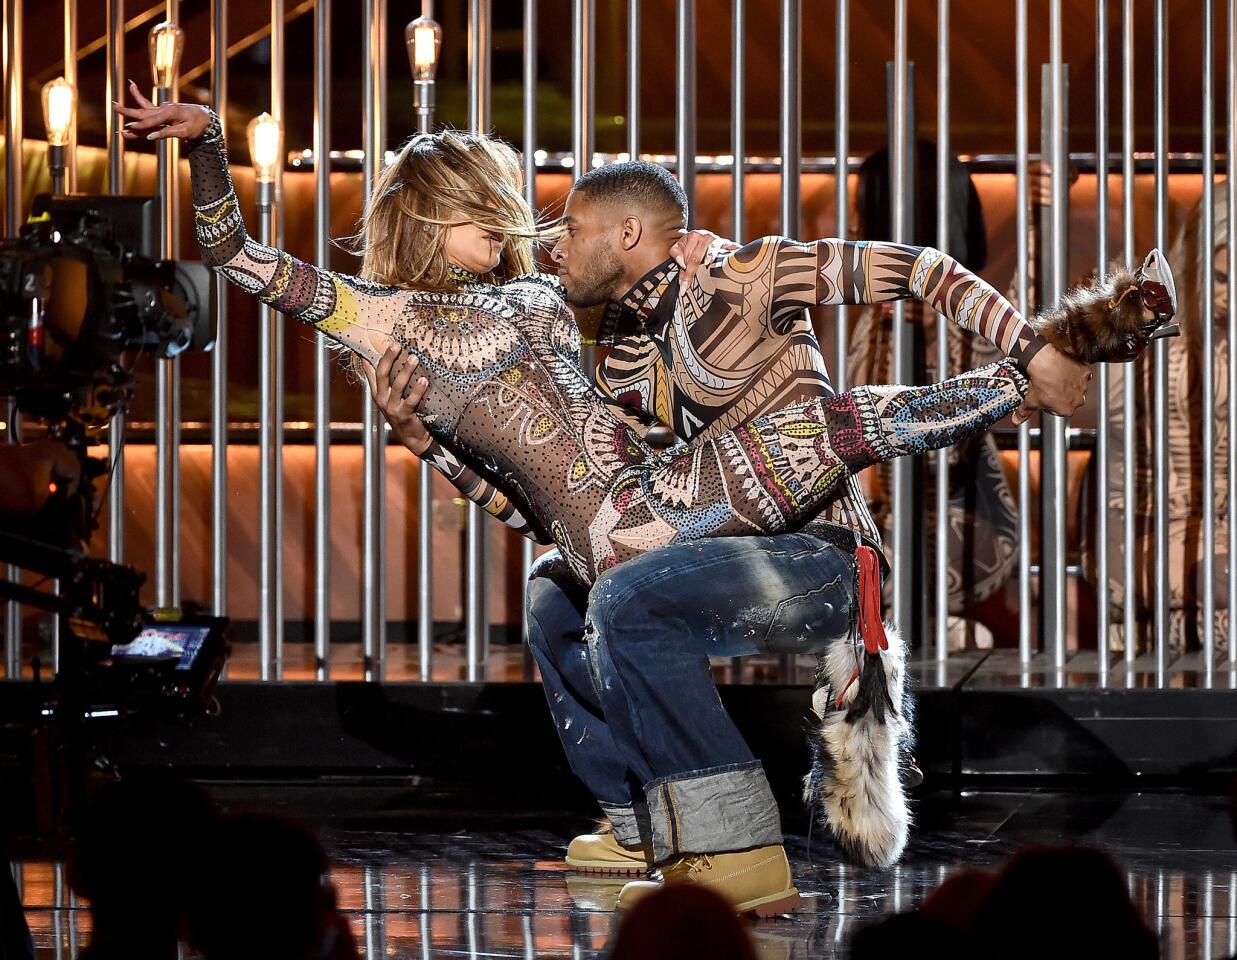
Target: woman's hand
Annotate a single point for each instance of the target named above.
(398, 396)
(691, 249)
(185, 121)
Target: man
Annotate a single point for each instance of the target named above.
(626, 666)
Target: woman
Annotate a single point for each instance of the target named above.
(1184, 403)
(501, 353)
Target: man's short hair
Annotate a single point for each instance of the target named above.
(637, 182)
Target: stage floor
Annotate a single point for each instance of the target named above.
(472, 887)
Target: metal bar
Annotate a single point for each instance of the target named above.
(70, 74)
(1052, 436)
(904, 602)
(426, 901)
(13, 148)
(1103, 600)
(583, 110)
(219, 357)
(114, 84)
(1207, 314)
(738, 119)
(633, 78)
(14, 81)
(373, 571)
(1159, 391)
(685, 102)
(1231, 247)
(476, 625)
(58, 910)
(278, 61)
(374, 881)
(941, 584)
(268, 581)
(1129, 480)
(425, 504)
(841, 171)
(790, 114)
(530, 195)
(1024, 430)
(322, 346)
(583, 25)
(166, 586)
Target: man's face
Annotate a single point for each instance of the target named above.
(587, 255)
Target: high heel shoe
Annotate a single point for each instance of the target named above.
(1112, 320)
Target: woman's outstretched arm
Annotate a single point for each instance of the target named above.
(355, 313)
(773, 472)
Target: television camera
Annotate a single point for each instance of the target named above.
(83, 293)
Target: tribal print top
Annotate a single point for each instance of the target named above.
(736, 342)
(507, 393)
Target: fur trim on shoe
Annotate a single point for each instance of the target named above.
(856, 746)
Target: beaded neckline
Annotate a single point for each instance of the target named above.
(462, 277)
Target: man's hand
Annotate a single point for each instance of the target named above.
(690, 250)
(398, 396)
(1058, 385)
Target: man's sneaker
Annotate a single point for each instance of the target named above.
(602, 853)
(753, 881)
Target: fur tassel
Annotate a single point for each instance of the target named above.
(1095, 322)
(855, 750)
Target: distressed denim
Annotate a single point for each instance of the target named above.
(627, 677)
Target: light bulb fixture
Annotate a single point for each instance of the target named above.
(167, 42)
(265, 146)
(59, 105)
(423, 38)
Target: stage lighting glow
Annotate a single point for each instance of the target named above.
(167, 42)
(265, 146)
(59, 105)
(423, 38)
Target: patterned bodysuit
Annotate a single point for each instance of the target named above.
(508, 396)
(707, 356)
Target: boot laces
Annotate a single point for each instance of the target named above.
(688, 867)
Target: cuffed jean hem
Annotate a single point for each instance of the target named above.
(719, 810)
(630, 822)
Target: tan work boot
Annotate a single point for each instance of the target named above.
(602, 853)
(754, 881)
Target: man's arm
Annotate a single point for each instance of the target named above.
(783, 276)
(397, 396)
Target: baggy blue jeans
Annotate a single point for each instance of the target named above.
(626, 672)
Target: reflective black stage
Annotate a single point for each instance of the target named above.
(470, 886)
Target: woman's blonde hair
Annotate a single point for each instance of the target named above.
(436, 181)
(1187, 257)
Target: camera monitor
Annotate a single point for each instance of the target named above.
(134, 221)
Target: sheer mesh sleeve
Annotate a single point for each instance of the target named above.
(353, 312)
(771, 474)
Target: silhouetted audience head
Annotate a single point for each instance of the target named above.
(1065, 903)
(270, 896)
(141, 846)
(1062, 903)
(682, 920)
(956, 902)
(912, 934)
